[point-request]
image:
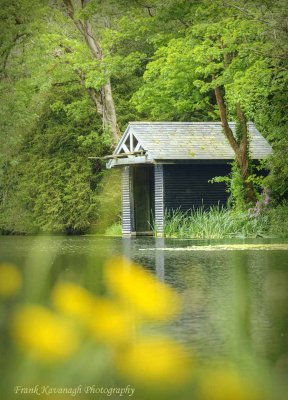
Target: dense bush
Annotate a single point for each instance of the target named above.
(278, 220)
(51, 186)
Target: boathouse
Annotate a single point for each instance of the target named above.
(168, 166)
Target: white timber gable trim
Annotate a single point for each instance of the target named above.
(129, 144)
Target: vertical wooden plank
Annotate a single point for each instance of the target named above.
(131, 142)
(127, 215)
(132, 200)
(159, 199)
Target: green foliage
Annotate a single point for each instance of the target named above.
(53, 174)
(169, 92)
(278, 217)
(234, 185)
(278, 178)
(235, 188)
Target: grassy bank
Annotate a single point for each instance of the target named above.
(220, 223)
(114, 230)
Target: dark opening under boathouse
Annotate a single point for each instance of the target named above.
(168, 166)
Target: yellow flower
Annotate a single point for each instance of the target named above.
(140, 289)
(43, 334)
(111, 323)
(157, 361)
(106, 320)
(10, 280)
(74, 301)
(227, 384)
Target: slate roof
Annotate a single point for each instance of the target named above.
(190, 141)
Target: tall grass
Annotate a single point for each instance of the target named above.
(278, 220)
(215, 223)
(114, 230)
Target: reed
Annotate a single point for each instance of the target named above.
(214, 223)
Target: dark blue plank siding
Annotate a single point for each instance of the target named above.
(187, 185)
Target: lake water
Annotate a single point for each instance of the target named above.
(235, 301)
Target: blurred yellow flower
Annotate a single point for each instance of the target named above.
(10, 280)
(111, 324)
(228, 384)
(74, 301)
(157, 361)
(43, 334)
(106, 320)
(140, 289)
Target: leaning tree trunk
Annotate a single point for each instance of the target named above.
(103, 99)
(240, 146)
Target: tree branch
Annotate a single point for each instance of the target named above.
(6, 53)
(71, 13)
(252, 16)
(148, 8)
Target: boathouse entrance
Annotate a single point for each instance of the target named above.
(143, 202)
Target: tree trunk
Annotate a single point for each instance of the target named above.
(240, 146)
(109, 111)
(103, 99)
(244, 154)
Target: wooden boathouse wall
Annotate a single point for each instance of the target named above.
(187, 186)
